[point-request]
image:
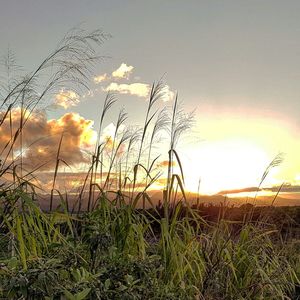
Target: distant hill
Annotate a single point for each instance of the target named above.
(286, 199)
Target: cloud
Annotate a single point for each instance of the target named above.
(137, 89)
(100, 78)
(168, 95)
(66, 99)
(123, 71)
(237, 191)
(90, 93)
(108, 135)
(108, 132)
(165, 163)
(40, 138)
(287, 188)
(68, 181)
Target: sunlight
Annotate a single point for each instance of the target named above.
(88, 138)
(224, 165)
(41, 150)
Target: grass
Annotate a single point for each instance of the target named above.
(113, 249)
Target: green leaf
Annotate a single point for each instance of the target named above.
(107, 284)
(68, 295)
(21, 242)
(83, 294)
(122, 288)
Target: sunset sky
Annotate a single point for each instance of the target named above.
(237, 63)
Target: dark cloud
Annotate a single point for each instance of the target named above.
(288, 188)
(237, 191)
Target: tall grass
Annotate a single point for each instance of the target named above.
(103, 246)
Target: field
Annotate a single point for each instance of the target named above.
(111, 241)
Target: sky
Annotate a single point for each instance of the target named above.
(235, 62)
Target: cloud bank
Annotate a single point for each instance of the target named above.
(136, 88)
(40, 138)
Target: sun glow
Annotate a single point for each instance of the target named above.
(224, 165)
(41, 150)
(234, 152)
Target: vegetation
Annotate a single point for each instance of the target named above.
(113, 249)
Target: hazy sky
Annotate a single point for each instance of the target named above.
(236, 62)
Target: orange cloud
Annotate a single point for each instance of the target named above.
(40, 138)
(165, 163)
